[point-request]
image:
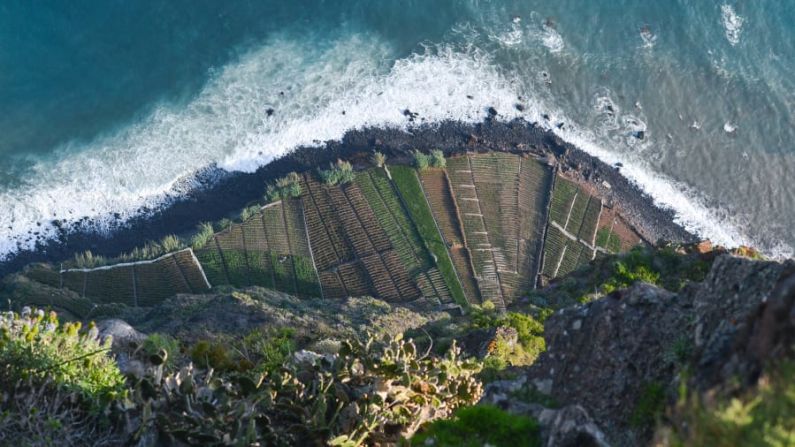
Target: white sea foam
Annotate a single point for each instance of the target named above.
(308, 88)
(552, 39)
(732, 23)
(317, 95)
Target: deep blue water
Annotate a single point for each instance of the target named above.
(106, 104)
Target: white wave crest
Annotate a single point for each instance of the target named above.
(732, 23)
(315, 95)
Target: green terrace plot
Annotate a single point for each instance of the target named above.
(478, 239)
(403, 235)
(142, 283)
(270, 249)
(353, 249)
(410, 189)
(503, 197)
(571, 234)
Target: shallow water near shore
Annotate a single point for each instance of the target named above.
(108, 109)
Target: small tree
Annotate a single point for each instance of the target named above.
(421, 160)
(437, 159)
(378, 159)
(171, 243)
(203, 235)
(284, 188)
(337, 174)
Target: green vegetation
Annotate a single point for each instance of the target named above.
(421, 160)
(424, 161)
(35, 346)
(337, 174)
(409, 187)
(204, 233)
(393, 219)
(530, 338)
(249, 212)
(608, 240)
(267, 350)
(761, 416)
(437, 159)
(222, 224)
(171, 244)
(649, 406)
(378, 159)
(662, 266)
(162, 346)
(480, 426)
(213, 265)
(284, 188)
(88, 260)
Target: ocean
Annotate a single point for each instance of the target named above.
(108, 107)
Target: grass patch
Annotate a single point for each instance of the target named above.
(761, 416)
(409, 187)
(479, 426)
(213, 265)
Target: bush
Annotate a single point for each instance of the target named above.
(437, 159)
(760, 416)
(171, 244)
(249, 212)
(156, 344)
(649, 406)
(268, 350)
(378, 159)
(479, 426)
(284, 188)
(88, 260)
(222, 224)
(203, 235)
(35, 346)
(371, 392)
(337, 174)
(421, 160)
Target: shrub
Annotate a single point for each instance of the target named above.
(156, 344)
(203, 235)
(222, 224)
(284, 188)
(372, 392)
(421, 160)
(760, 416)
(88, 260)
(649, 406)
(437, 159)
(268, 350)
(337, 174)
(378, 159)
(479, 426)
(35, 346)
(171, 244)
(249, 212)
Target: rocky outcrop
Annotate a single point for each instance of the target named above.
(606, 355)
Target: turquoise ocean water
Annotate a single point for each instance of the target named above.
(105, 106)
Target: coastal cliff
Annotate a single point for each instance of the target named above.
(401, 297)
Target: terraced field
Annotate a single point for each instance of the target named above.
(354, 252)
(408, 246)
(501, 199)
(436, 188)
(270, 249)
(483, 228)
(141, 283)
(571, 234)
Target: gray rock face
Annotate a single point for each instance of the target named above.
(602, 356)
(123, 334)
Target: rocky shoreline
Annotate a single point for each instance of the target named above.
(219, 194)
